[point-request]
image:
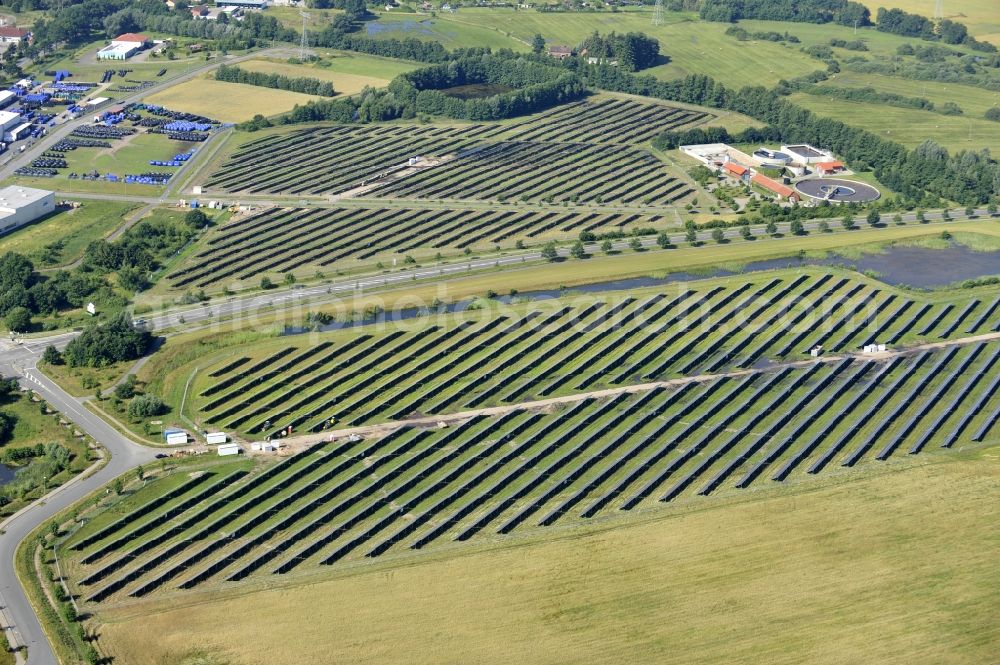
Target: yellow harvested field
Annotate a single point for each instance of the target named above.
(982, 17)
(228, 102)
(895, 566)
(344, 84)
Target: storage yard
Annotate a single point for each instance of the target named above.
(127, 145)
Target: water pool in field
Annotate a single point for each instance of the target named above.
(476, 90)
(6, 474)
(898, 265)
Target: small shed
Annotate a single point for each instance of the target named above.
(215, 438)
(175, 437)
(229, 449)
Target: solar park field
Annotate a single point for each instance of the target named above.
(283, 240)
(415, 489)
(551, 348)
(738, 405)
(586, 151)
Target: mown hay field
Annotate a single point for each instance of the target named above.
(228, 102)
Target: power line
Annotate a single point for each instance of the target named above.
(658, 13)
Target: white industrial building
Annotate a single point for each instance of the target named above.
(9, 120)
(20, 205)
(7, 98)
(805, 154)
(229, 449)
(244, 4)
(17, 133)
(123, 47)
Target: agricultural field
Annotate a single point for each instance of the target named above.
(980, 16)
(71, 229)
(452, 363)
(880, 44)
(974, 101)
(912, 126)
(303, 240)
(291, 17)
(228, 102)
(909, 127)
(492, 477)
(587, 151)
(451, 31)
(344, 82)
(693, 47)
(361, 64)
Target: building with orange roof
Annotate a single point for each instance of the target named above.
(830, 168)
(775, 187)
(737, 171)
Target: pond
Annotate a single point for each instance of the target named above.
(930, 268)
(919, 267)
(898, 265)
(6, 474)
(476, 90)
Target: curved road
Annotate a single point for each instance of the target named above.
(18, 615)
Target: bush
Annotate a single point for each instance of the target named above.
(146, 406)
(99, 345)
(549, 252)
(126, 389)
(52, 356)
(18, 319)
(196, 219)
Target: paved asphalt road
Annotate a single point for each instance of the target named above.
(335, 290)
(125, 455)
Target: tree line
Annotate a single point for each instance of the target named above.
(843, 12)
(765, 35)
(303, 84)
(969, 176)
(869, 95)
(536, 84)
(899, 22)
(633, 51)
